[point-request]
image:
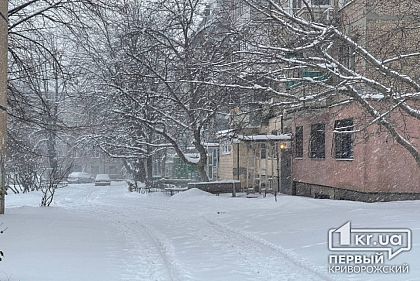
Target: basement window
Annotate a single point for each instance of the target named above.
(320, 2)
(317, 141)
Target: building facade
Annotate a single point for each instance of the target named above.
(365, 163)
(254, 158)
(339, 150)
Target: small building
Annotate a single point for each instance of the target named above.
(172, 167)
(254, 160)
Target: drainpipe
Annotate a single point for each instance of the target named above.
(278, 169)
(237, 171)
(237, 161)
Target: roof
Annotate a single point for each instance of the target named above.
(192, 157)
(205, 144)
(211, 144)
(225, 133)
(282, 137)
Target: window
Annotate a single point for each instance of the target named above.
(156, 169)
(320, 2)
(272, 150)
(96, 153)
(299, 142)
(263, 151)
(210, 159)
(215, 156)
(210, 172)
(315, 75)
(317, 141)
(343, 139)
(226, 148)
(76, 153)
(342, 3)
(275, 150)
(297, 4)
(347, 56)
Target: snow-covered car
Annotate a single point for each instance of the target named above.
(79, 177)
(102, 179)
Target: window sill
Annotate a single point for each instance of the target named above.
(344, 159)
(298, 158)
(317, 159)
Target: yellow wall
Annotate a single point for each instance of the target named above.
(248, 160)
(225, 169)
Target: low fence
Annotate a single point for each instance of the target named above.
(217, 187)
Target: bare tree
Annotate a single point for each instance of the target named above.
(154, 54)
(342, 64)
(40, 77)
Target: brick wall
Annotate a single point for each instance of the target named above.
(379, 165)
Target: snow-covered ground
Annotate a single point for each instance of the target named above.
(106, 234)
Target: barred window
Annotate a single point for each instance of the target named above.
(343, 139)
(317, 141)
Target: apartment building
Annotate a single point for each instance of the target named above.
(339, 150)
(364, 162)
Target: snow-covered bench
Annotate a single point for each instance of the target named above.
(173, 189)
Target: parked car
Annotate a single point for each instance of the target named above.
(102, 179)
(79, 177)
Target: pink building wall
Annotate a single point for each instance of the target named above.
(380, 164)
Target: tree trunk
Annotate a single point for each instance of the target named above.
(201, 169)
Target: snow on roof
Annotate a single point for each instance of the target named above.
(205, 144)
(225, 133)
(265, 137)
(192, 157)
(214, 182)
(373, 96)
(79, 175)
(102, 177)
(211, 144)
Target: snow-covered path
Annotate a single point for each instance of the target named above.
(105, 233)
(173, 242)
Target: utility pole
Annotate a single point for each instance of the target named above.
(3, 99)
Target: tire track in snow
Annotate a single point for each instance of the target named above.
(144, 259)
(147, 257)
(239, 237)
(147, 253)
(154, 254)
(167, 253)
